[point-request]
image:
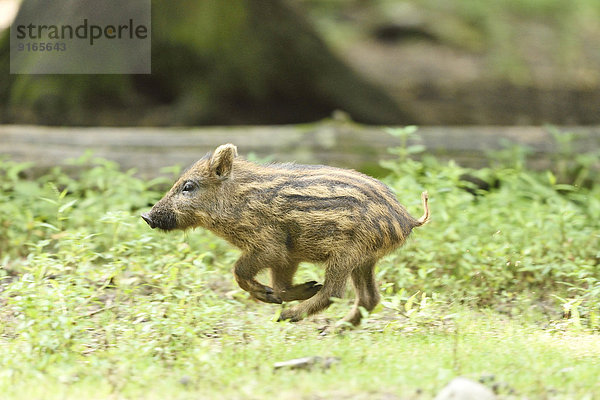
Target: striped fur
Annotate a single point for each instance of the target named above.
(282, 214)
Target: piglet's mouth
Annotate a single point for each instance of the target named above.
(163, 222)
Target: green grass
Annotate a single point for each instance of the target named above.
(95, 305)
(236, 361)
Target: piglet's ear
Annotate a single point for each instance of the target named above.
(221, 161)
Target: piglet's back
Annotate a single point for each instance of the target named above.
(318, 210)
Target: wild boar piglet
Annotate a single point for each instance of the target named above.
(282, 214)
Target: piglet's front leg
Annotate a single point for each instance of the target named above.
(245, 269)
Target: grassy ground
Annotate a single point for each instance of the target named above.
(234, 357)
(96, 305)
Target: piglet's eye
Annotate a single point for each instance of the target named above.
(188, 187)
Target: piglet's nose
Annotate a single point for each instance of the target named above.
(146, 217)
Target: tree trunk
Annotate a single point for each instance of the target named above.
(213, 62)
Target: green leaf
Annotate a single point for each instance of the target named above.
(66, 206)
(409, 303)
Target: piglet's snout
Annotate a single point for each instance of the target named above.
(146, 217)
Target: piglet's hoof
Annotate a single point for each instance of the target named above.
(267, 296)
(287, 315)
(301, 292)
(312, 286)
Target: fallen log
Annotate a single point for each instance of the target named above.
(343, 144)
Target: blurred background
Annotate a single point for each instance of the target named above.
(425, 62)
(376, 62)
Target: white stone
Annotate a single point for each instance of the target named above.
(465, 389)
